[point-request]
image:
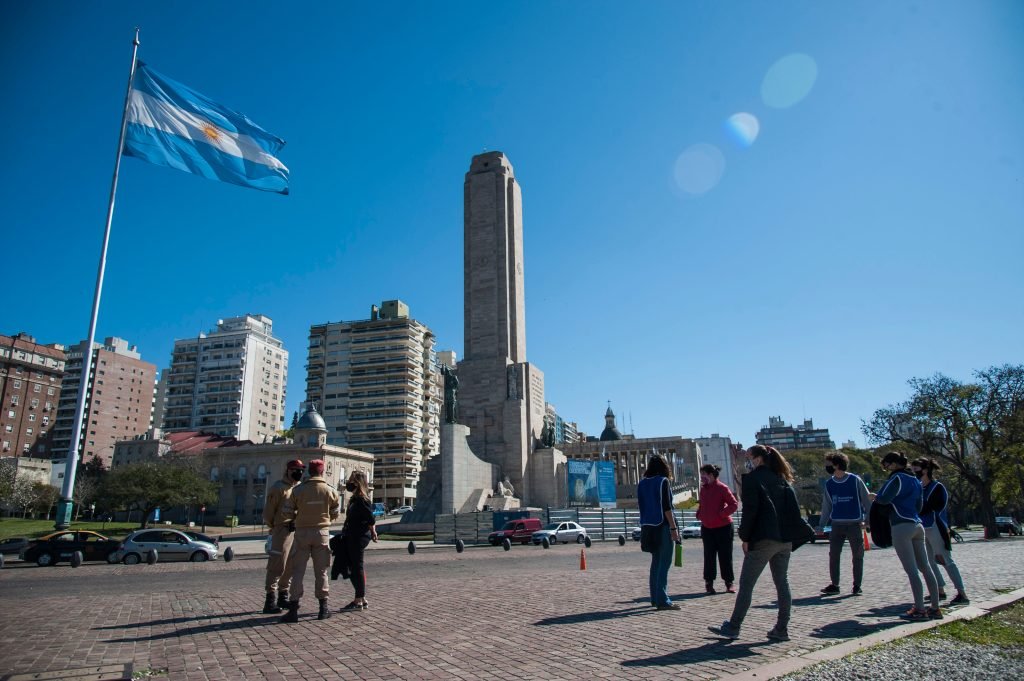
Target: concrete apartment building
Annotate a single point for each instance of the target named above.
(118, 399)
(31, 377)
(785, 437)
(231, 381)
(378, 388)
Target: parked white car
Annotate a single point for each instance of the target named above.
(564, 532)
(402, 509)
(691, 531)
(169, 545)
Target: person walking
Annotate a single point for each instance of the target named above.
(278, 569)
(844, 506)
(359, 530)
(717, 504)
(654, 497)
(771, 527)
(903, 494)
(936, 529)
(312, 506)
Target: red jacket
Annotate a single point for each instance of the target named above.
(717, 504)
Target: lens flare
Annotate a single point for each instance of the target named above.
(789, 80)
(699, 168)
(743, 128)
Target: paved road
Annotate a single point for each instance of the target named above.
(485, 613)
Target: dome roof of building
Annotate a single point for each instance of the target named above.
(610, 433)
(311, 420)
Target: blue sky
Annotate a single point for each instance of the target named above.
(871, 232)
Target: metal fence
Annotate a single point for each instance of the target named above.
(600, 523)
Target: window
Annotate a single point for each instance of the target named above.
(10, 413)
(36, 388)
(17, 384)
(31, 417)
(50, 391)
(14, 400)
(7, 445)
(8, 428)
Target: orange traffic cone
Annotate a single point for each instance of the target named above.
(583, 560)
(867, 544)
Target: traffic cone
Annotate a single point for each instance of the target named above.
(583, 560)
(867, 544)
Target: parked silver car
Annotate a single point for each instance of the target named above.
(561, 532)
(169, 545)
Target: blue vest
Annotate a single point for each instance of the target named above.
(928, 519)
(907, 503)
(649, 499)
(845, 497)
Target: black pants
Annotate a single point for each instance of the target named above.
(718, 545)
(352, 550)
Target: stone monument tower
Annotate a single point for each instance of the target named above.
(501, 395)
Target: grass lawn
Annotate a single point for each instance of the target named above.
(1004, 628)
(18, 527)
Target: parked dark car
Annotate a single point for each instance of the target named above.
(13, 546)
(1008, 525)
(53, 548)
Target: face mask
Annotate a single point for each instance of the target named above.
(350, 486)
(830, 469)
(296, 475)
(749, 464)
(919, 474)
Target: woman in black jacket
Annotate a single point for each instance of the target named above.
(356, 534)
(770, 528)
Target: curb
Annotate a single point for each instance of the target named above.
(835, 652)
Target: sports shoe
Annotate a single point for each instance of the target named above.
(935, 613)
(942, 595)
(856, 591)
(915, 615)
(960, 599)
(709, 587)
(778, 633)
(726, 630)
(830, 589)
(668, 606)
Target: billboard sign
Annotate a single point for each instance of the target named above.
(591, 483)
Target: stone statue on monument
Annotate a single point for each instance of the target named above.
(451, 389)
(505, 488)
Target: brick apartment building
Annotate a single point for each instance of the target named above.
(30, 386)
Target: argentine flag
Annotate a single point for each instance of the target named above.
(172, 125)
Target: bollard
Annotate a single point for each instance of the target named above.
(1, 561)
(545, 543)
(76, 559)
(411, 548)
(506, 544)
(587, 541)
(622, 540)
(229, 554)
(152, 557)
(460, 546)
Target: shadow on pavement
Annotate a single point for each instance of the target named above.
(581, 617)
(270, 620)
(851, 629)
(674, 597)
(180, 620)
(719, 649)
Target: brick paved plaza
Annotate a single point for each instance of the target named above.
(528, 613)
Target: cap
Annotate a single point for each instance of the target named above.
(295, 463)
(316, 466)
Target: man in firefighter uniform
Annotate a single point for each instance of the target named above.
(279, 570)
(312, 506)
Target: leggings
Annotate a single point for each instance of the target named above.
(936, 547)
(908, 540)
(354, 548)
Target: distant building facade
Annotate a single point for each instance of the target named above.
(31, 380)
(231, 381)
(377, 384)
(785, 437)
(118, 398)
(243, 470)
(718, 451)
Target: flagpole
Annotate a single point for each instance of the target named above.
(67, 491)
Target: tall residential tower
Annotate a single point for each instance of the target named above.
(231, 381)
(377, 386)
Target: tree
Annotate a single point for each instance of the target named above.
(976, 428)
(147, 486)
(94, 468)
(43, 497)
(8, 474)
